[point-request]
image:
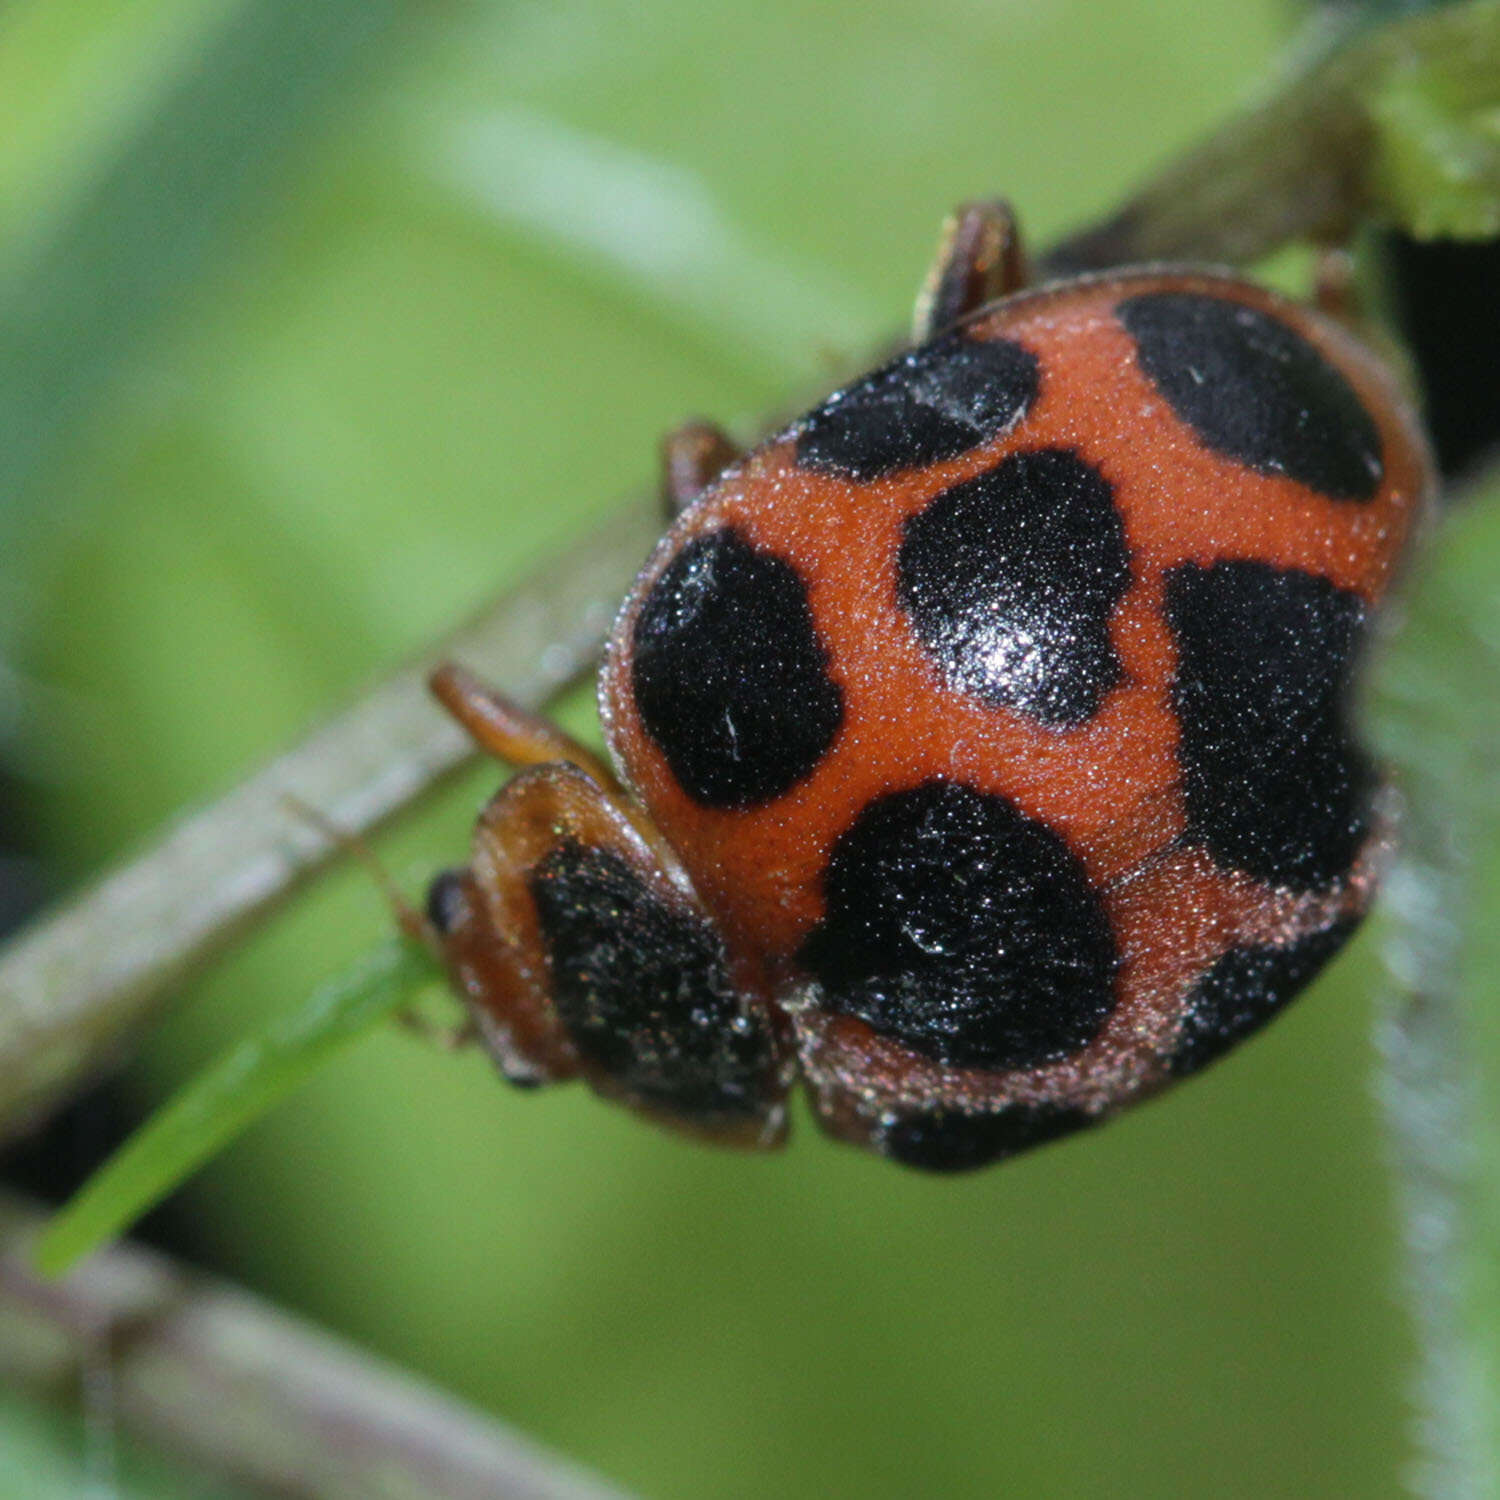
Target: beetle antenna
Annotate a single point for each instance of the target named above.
(410, 919)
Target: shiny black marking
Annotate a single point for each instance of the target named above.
(729, 675)
(944, 1140)
(445, 901)
(933, 403)
(1275, 785)
(963, 929)
(1256, 391)
(1245, 989)
(643, 988)
(1009, 579)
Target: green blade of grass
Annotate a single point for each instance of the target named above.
(230, 1094)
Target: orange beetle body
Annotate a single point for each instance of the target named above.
(982, 739)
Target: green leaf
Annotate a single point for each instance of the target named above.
(1436, 163)
(233, 1092)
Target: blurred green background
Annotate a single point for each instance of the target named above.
(502, 247)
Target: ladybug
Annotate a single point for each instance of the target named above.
(979, 748)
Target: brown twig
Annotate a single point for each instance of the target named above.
(223, 1379)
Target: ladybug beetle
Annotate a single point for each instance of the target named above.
(979, 744)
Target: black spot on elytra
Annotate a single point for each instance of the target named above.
(963, 929)
(1009, 579)
(1256, 391)
(729, 675)
(1275, 785)
(1244, 989)
(954, 1140)
(643, 988)
(933, 403)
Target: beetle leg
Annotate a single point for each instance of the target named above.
(506, 730)
(449, 1038)
(980, 258)
(692, 457)
(1334, 291)
(1337, 294)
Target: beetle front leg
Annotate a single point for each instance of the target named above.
(507, 731)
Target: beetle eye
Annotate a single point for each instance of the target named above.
(445, 901)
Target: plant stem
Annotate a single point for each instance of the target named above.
(221, 1378)
(1427, 1092)
(1302, 165)
(73, 985)
(1437, 724)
